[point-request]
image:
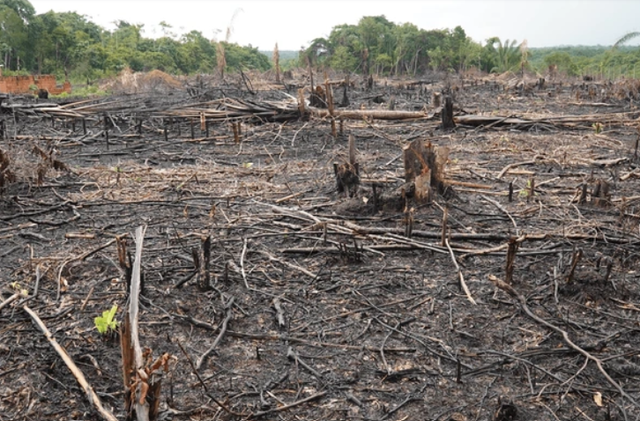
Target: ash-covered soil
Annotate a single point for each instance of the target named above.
(323, 306)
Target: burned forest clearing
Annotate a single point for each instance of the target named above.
(448, 248)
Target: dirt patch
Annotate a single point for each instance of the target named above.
(130, 82)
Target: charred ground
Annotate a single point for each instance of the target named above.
(326, 297)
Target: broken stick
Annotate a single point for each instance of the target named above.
(463, 284)
(77, 373)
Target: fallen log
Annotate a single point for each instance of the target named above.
(490, 121)
(375, 114)
(290, 109)
(482, 120)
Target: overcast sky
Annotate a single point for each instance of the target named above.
(293, 24)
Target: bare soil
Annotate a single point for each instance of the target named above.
(375, 324)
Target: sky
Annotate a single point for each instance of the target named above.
(295, 23)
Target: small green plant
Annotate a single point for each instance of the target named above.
(17, 287)
(107, 322)
(526, 191)
(597, 127)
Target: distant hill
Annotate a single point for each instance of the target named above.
(284, 54)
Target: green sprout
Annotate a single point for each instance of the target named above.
(107, 321)
(526, 191)
(597, 127)
(16, 286)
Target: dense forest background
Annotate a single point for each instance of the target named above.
(69, 45)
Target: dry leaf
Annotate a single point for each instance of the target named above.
(598, 399)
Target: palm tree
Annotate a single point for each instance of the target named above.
(626, 38)
(507, 54)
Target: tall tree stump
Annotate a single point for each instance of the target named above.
(348, 173)
(447, 114)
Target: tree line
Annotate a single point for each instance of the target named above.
(69, 45)
(376, 45)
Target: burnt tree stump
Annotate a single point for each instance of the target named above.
(424, 168)
(347, 178)
(201, 261)
(318, 98)
(345, 96)
(447, 114)
(348, 173)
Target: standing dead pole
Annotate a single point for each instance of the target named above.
(352, 150)
(512, 249)
(236, 134)
(221, 61)
(141, 378)
(133, 361)
(301, 102)
(407, 220)
(165, 130)
(106, 129)
(312, 98)
(447, 114)
(276, 62)
(201, 259)
(345, 92)
(577, 255)
(330, 107)
(348, 173)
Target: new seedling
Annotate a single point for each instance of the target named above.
(107, 322)
(597, 127)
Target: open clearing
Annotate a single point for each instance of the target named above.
(323, 306)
